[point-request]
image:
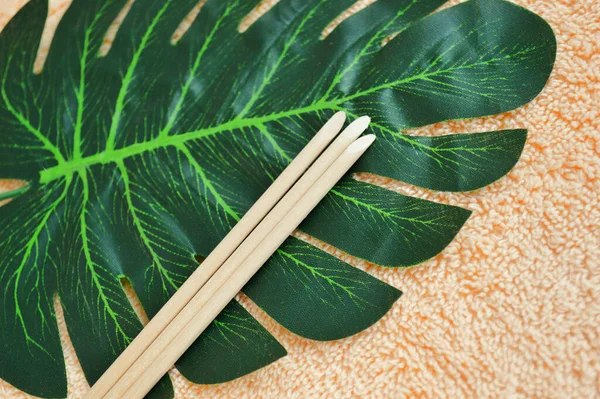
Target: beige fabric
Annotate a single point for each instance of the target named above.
(512, 307)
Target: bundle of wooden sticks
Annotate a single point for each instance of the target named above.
(291, 197)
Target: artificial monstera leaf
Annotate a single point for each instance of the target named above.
(139, 160)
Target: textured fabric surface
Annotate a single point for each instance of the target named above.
(512, 307)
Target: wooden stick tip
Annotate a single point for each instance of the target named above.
(361, 144)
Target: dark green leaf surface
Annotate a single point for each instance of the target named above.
(446, 77)
(309, 288)
(403, 230)
(234, 344)
(454, 162)
(139, 161)
(29, 328)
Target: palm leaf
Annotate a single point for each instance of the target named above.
(143, 159)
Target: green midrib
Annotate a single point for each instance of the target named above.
(68, 168)
(110, 155)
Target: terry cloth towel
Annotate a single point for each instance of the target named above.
(511, 308)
